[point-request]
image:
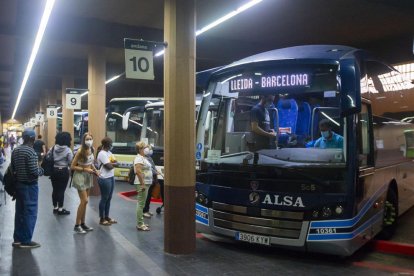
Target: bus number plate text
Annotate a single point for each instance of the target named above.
(325, 230)
(246, 237)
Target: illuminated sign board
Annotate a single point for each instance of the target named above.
(275, 81)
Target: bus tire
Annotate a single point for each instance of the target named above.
(390, 215)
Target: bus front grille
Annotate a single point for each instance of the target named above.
(283, 224)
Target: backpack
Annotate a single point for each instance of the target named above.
(131, 175)
(48, 163)
(9, 182)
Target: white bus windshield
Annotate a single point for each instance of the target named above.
(286, 115)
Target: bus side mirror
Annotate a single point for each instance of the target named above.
(125, 120)
(208, 118)
(350, 86)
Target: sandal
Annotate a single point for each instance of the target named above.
(143, 228)
(111, 221)
(104, 222)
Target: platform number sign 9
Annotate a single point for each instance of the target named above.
(138, 60)
(73, 99)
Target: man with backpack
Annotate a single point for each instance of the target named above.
(24, 162)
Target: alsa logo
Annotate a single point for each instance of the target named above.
(283, 201)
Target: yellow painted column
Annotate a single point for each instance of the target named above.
(179, 142)
(97, 94)
(67, 114)
(51, 122)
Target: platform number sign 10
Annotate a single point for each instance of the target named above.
(51, 111)
(139, 59)
(74, 98)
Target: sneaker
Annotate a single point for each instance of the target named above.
(29, 245)
(86, 228)
(63, 212)
(55, 211)
(79, 230)
(147, 215)
(16, 244)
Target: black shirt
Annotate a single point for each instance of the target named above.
(38, 146)
(265, 121)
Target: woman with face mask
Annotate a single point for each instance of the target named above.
(84, 169)
(143, 177)
(106, 180)
(148, 153)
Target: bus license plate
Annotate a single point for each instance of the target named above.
(252, 238)
(124, 173)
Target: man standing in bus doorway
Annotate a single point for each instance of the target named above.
(328, 139)
(262, 122)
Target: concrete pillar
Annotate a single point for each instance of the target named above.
(179, 142)
(1, 125)
(96, 100)
(51, 122)
(43, 103)
(97, 94)
(67, 114)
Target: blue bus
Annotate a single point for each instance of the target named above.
(290, 192)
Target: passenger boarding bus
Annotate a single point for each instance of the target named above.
(298, 190)
(124, 139)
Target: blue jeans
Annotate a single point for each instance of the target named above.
(107, 188)
(26, 211)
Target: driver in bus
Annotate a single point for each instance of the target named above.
(262, 123)
(328, 139)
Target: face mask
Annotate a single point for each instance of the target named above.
(325, 134)
(89, 143)
(150, 152)
(146, 151)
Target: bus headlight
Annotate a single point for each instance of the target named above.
(326, 212)
(202, 199)
(339, 210)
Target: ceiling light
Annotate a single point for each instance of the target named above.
(221, 20)
(38, 40)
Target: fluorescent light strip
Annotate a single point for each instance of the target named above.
(106, 82)
(221, 20)
(36, 46)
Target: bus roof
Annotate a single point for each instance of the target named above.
(161, 104)
(332, 52)
(136, 99)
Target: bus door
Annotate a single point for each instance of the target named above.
(365, 186)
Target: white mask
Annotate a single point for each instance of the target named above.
(89, 143)
(146, 151)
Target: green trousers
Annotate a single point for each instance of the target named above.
(141, 197)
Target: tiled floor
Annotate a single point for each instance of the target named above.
(121, 250)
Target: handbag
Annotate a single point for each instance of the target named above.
(10, 181)
(48, 163)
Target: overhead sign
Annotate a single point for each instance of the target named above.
(272, 81)
(39, 117)
(139, 59)
(51, 111)
(74, 98)
(33, 121)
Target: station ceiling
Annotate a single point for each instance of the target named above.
(385, 27)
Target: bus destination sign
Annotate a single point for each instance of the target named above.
(274, 81)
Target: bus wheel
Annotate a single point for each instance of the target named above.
(390, 215)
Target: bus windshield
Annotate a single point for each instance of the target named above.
(279, 112)
(153, 129)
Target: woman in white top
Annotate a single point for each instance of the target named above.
(143, 177)
(84, 169)
(106, 180)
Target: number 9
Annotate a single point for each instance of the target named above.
(73, 101)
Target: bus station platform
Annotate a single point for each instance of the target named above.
(120, 249)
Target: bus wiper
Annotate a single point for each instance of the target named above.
(309, 176)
